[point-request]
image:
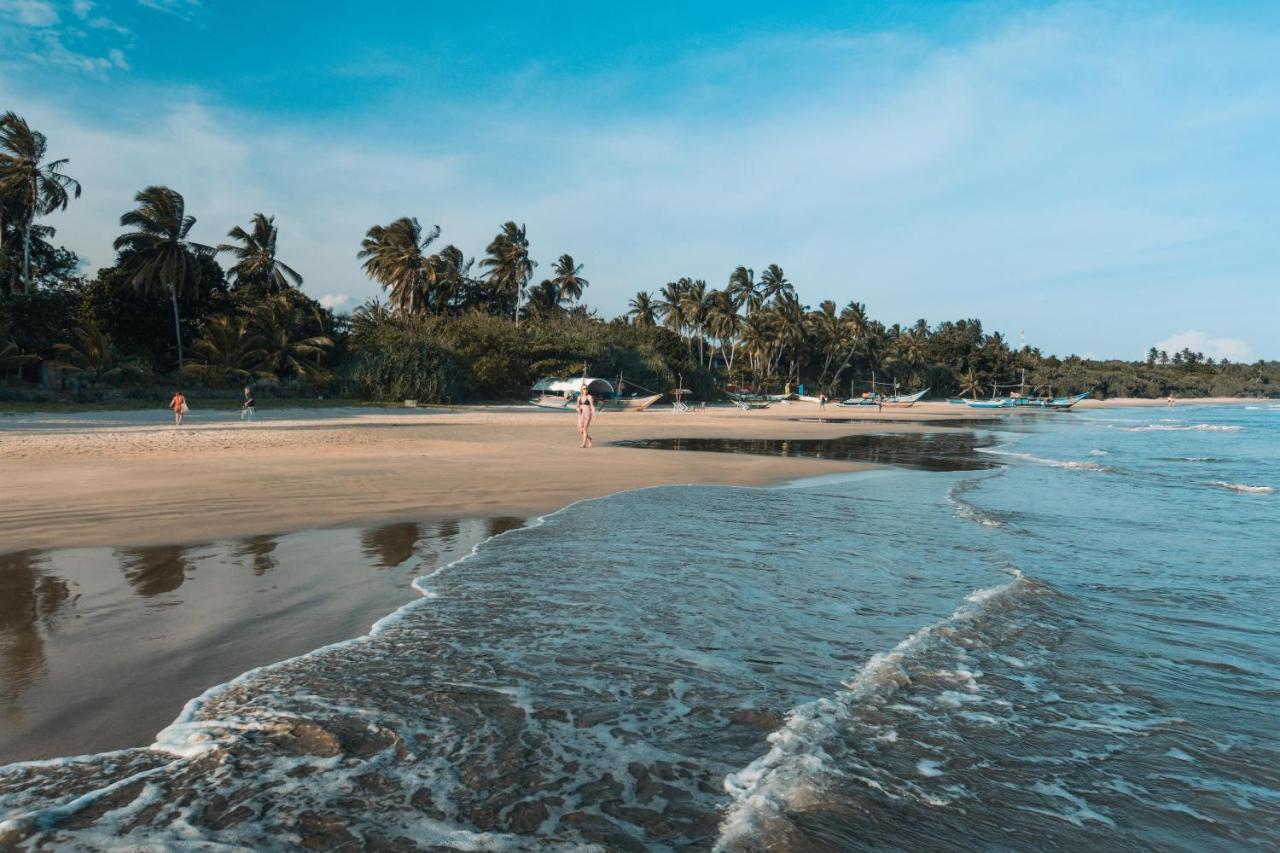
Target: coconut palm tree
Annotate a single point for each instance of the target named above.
(228, 351)
(92, 355)
(857, 335)
(288, 347)
(395, 257)
(157, 254)
(723, 322)
(830, 335)
(508, 263)
(742, 287)
(31, 185)
(693, 303)
(773, 283)
(970, 384)
(642, 311)
(453, 271)
(542, 300)
(670, 306)
(256, 262)
(568, 280)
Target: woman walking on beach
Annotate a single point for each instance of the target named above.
(586, 411)
(179, 406)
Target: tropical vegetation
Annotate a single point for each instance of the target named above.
(453, 327)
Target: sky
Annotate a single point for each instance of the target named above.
(1100, 177)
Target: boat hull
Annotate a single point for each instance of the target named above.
(624, 404)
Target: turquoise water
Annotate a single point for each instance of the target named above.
(1078, 647)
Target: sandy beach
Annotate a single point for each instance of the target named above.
(133, 479)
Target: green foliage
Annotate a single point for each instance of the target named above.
(401, 361)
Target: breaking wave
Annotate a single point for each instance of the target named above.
(1243, 487)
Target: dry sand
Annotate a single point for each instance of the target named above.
(127, 479)
(133, 479)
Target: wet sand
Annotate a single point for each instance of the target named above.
(101, 647)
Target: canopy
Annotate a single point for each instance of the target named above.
(597, 387)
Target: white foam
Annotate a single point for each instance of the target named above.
(1172, 428)
(1243, 488)
(797, 759)
(1070, 465)
(929, 768)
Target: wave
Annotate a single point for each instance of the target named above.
(766, 789)
(1192, 428)
(1070, 465)
(968, 511)
(1097, 451)
(1242, 487)
(1193, 459)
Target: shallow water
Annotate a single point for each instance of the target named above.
(928, 451)
(101, 647)
(1078, 648)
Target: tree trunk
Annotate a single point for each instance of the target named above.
(26, 258)
(177, 328)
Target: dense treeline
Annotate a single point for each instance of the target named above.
(453, 328)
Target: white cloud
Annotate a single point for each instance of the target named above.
(334, 301)
(30, 13)
(81, 8)
(1234, 349)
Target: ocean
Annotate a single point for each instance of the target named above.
(1072, 642)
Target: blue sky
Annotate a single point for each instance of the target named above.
(1101, 176)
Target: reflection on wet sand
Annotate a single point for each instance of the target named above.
(157, 570)
(258, 550)
(929, 451)
(185, 618)
(29, 604)
(391, 544)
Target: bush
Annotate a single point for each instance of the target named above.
(403, 363)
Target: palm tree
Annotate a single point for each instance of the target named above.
(642, 311)
(830, 333)
(723, 322)
(543, 300)
(774, 284)
(288, 348)
(694, 304)
(157, 254)
(395, 257)
(568, 281)
(92, 355)
(742, 287)
(453, 270)
(508, 262)
(256, 261)
(858, 335)
(969, 384)
(34, 187)
(227, 351)
(670, 306)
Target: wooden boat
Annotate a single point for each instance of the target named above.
(562, 394)
(902, 401)
(1060, 404)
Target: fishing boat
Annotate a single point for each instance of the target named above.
(746, 398)
(1060, 404)
(902, 401)
(562, 394)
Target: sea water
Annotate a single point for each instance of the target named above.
(1076, 648)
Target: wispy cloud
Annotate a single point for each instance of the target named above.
(29, 13)
(180, 8)
(1197, 341)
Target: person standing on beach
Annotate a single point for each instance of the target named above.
(822, 402)
(179, 406)
(247, 407)
(586, 411)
